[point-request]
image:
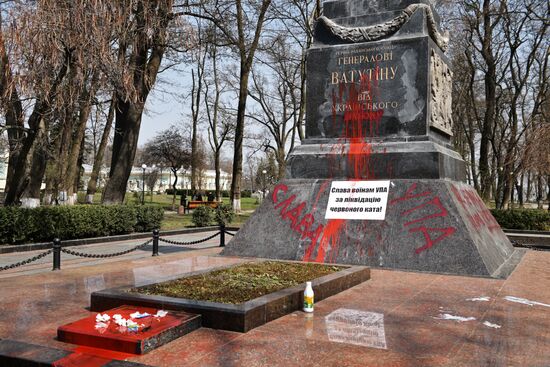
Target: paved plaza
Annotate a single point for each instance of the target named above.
(395, 319)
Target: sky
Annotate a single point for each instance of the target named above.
(164, 106)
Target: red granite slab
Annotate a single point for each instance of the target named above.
(156, 331)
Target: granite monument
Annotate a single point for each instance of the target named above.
(377, 182)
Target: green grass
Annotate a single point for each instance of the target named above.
(240, 283)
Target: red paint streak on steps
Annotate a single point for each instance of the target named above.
(91, 357)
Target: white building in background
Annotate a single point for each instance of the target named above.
(165, 180)
(135, 182)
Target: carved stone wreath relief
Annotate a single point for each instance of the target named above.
(441, 91)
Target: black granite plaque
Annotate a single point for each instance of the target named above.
(381, 86)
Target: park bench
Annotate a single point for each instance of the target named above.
(196, 204)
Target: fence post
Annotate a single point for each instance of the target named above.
(222, 235)
(56, 254)
(156, 242)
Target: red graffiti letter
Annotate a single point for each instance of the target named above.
(293, 214)
(409, 195)
(429, 242)
(304, 225)
(436, 202)
(279, 187)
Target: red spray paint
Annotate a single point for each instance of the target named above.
(361, 122)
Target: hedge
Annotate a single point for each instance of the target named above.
(523, 219)
(23, 225)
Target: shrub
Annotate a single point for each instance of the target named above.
(523, 219)
(224, 214)
(246, 193)
(148, 218)
(202, 216)
(224, 193)
(20, 225)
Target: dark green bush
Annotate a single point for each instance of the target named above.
(202, 216)
(148, 218)
(224, 193)
(22, 225)
(224, 214)
(523, 219)
(246, 194)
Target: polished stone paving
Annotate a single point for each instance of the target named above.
(395, 319)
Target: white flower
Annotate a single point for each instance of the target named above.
(161, 313)
(120, 321)
(102, 318)
(100, 325)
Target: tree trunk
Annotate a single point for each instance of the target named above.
(30, 196)
(539, 191)
(490, 101)
(519, 189)
(281, 163)
(174, 185)
(98, 160)
(238, 145)
(73, 168)
(217, 178)
(13, 112)
(529, 190)
(127, 125)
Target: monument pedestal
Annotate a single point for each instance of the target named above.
(430, 225)
(378, 108)
(377, 160)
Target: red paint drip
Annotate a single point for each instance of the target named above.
(361, 122)
(331, 236)
(81, 360)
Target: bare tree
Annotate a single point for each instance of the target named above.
(141, 35)
(240, 22)
(500, 59)
(220, 121)
(275, 94)
(171, 149)
(297, 19)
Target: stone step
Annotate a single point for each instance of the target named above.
(152, 333)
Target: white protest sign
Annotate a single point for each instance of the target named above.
(365, 200)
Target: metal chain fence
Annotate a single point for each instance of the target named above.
(58, 249)
(103, 256)
(25, 262)
(189, 243)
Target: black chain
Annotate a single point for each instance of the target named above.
(102, 256)
(190, 242)
(24, 262)
(229, 233)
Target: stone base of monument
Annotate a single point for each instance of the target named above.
(241, 317)
(439, 226)
(151, 333)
